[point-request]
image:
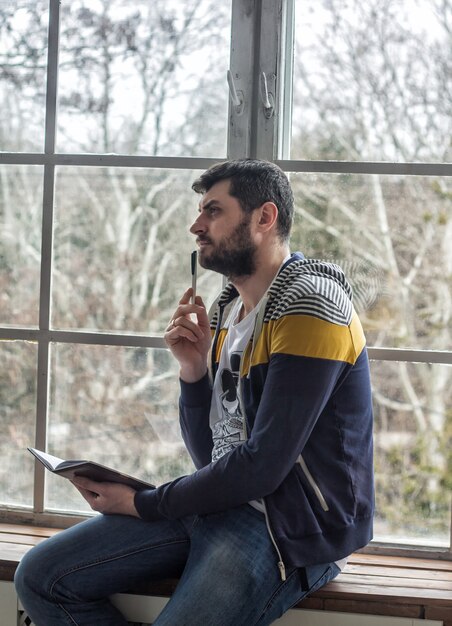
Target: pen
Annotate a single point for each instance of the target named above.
(194, 273)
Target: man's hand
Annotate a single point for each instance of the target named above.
(107, 498)
(189, 340)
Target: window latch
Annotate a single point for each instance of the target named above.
(267, 98)
(236, 96)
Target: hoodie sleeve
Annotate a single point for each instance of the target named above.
(194, 410)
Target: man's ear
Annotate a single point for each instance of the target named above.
(268, 215)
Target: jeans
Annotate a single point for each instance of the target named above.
(226, 562)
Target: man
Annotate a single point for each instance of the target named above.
(275, 410)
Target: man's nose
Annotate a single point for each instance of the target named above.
(198, 226)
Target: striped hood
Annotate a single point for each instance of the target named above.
(310, 280)
(311, 287)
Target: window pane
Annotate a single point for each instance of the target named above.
(117, 406)
(20, 244)
(23, 57)
(122, 248)
(392, 236)
(17, 424)
(140, 77)
(372, 80)
(413, 443)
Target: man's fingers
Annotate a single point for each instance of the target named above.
(185, 329)
(86, 483)
(188, 309)
(186, 297)
(93, 498)
(184, 313)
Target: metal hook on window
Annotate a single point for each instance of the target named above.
(266, 97)
(236, 96)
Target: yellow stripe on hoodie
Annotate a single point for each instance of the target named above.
(308, 336)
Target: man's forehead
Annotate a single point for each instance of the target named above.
(218, 191)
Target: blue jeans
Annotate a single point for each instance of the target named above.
(226, 562)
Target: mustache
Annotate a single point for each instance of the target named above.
(203, 240)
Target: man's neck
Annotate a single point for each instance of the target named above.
(252, 288)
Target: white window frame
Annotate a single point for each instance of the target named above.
(261, 42)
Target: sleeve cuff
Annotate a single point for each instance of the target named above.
(195, 394)
(146, 503)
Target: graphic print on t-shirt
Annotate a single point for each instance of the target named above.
(228, 431)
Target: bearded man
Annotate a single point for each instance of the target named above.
(276, 412)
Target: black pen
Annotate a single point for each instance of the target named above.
(194, 273)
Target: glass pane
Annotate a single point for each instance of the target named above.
(122, 248)
(372, 81)
(413, 459)
(23, 58)
(20, 244)
(117, 406)
(17, 426)
(392, 237)
(140, 77)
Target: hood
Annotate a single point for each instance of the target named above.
(299, 266)
(296, 267)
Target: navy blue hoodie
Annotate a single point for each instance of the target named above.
(305, 390)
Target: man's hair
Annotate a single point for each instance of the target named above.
(253, 182)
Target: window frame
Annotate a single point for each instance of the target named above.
(262, 36)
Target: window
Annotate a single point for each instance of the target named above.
(369, 81)
(95, 202)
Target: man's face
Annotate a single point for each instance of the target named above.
(223, 234)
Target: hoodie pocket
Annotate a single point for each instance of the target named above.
(313, 484)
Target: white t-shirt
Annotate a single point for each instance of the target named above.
(226, 416)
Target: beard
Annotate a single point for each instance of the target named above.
(233, 256)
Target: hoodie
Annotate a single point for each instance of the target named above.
(306, 396)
